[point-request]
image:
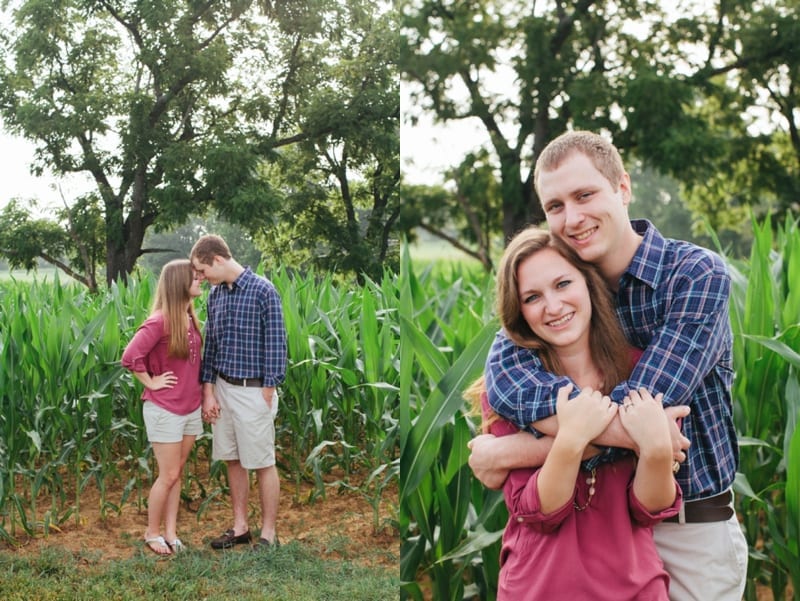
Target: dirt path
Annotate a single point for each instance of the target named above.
(337, 527)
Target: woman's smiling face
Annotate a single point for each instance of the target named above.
(554, 299)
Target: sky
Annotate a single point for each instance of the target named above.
(427, 149)
(19, 182)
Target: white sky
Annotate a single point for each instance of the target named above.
(427, 150)
(18, 182)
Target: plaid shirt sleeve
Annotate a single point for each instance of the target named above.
(274, 331)
(691, 336)
(209, 342)
(518, 387)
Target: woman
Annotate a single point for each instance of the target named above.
(578, 533)
(164, 355)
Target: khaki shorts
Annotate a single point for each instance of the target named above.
(245, 428)
(715, 568)
(165, 426)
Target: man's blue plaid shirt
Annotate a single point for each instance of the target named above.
(245, 336)
(673, 302)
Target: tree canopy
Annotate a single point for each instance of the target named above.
(173, 107)
(704, 91)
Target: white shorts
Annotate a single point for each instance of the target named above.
(245, 428)
(165, 426)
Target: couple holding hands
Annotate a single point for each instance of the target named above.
(232, 386)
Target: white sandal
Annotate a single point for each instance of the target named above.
(161, 543)
(177, 546)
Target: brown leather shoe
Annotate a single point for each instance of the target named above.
(229, 539)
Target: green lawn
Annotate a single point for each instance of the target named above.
(291, 572)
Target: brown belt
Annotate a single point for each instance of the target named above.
(248, 382)
(712, 509)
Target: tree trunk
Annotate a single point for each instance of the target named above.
(115, 243)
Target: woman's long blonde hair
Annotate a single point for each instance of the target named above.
(172, 297)
(474, 394)
(607, 344)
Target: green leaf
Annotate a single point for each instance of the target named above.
(742, 487)
(777, 346)
(445, 400)
(475, 541)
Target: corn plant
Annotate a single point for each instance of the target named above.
(59, 351)
(446, 331)
(450, 525)
(765, 316)
(339, 403)
(71, 416)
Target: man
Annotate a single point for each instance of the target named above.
(244, 360)
(672, 300)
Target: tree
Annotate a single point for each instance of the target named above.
(465, 213)
(177, 242)
(340, 189)
(72, 242)
(752, 105)
(528, 71)
(169, 107)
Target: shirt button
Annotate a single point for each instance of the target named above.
(520, 520)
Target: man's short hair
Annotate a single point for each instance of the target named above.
(603, 154)
(208, 247)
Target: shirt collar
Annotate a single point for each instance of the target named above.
(244, 279)
(648, 262)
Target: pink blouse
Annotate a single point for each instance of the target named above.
(605, 552)
(147, 352)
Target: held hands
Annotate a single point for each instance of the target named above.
(679, 442)
(210, 410)
(268, 393)
(585, 417)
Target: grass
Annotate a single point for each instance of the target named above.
(289, 572)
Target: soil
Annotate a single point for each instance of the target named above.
(338, 527)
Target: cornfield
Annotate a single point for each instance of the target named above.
(450, 525)
(71, 416)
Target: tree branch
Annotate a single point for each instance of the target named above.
(456, 243)
(68, 270)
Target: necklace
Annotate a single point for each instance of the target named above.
(192, 344)
(590, 481)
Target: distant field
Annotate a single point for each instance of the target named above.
(442, 258)
(20, 275)
(437, 250)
